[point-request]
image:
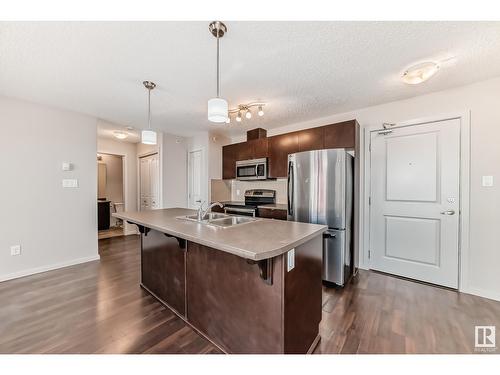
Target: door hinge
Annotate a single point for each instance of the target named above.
(369, 254)
(370, 147)
(369, 201)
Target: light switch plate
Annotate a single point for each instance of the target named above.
(487, 181)
(70, 183)
(67, 166)
(290, 264)
(15, 250)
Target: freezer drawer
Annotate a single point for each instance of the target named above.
(337, 265)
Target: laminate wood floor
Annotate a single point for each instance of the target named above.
(98, 307)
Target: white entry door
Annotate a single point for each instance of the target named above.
(414, 212)
(195, 178)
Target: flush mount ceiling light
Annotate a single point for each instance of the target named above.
(148, 137)
(420, 73)
(120, 135)
(246, 109)
(217, 107)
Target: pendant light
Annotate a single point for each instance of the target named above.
(148, 137)
(217, 107)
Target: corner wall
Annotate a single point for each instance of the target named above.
(55, 226)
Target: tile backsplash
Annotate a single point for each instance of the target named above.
(234, 190)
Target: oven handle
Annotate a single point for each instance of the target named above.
(242, 210)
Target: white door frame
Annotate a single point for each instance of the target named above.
(126, 204)
(463, 251)
(204, 178)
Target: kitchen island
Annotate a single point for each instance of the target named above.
(253, 287)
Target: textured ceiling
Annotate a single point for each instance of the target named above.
(304, 70)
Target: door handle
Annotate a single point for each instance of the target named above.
(448, 212)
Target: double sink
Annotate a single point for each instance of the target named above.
(219, 220)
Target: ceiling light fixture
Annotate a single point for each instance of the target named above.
(420, 73)
(217, 107)
(120, 135)
(246, 109)
(148, 137)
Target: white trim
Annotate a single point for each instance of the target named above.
(125, 177)
(491, 294)
(204, 178)
(464, 228)
(33, 271)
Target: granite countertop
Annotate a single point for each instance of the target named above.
(260, 239)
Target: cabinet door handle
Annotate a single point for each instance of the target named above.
(448, 212)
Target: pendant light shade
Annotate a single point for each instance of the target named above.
(148, 137)
(217, 110)
(217, 107)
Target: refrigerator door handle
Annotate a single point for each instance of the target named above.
(290, 188)
(329, 235)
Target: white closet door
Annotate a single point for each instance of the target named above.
(144, 172)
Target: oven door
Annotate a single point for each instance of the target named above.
(240, 211)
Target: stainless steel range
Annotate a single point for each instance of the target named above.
(253, 199)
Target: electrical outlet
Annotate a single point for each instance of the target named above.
(290, 260)
(487, 181)
(15, 250)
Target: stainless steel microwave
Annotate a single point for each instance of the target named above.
(255, 169)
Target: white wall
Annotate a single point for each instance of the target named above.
(128, 151)
(482, 100)
(174, 170)
(54, 226)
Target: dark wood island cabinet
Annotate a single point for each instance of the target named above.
(243, 293)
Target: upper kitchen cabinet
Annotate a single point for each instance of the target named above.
(229, 154)
(253, 149)
(341, 135)
(311, 139)
(259, 148)
(280, 146)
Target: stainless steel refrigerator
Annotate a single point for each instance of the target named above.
(320, 191)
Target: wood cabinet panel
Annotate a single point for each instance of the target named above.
(259, 148)
(280, 146)
(269, 213)
(341, 135)
(311, 139)
(229, 153)
(163, 268)
(244, 151)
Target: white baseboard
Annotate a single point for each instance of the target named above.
(482, 293)
(50, 267)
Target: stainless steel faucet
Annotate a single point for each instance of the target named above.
(202, 213)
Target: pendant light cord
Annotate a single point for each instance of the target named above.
(218, 74)
(149, 109)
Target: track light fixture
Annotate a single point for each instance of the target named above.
(246, 110)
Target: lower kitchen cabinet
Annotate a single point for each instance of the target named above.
(269, 213)
(163, 268)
